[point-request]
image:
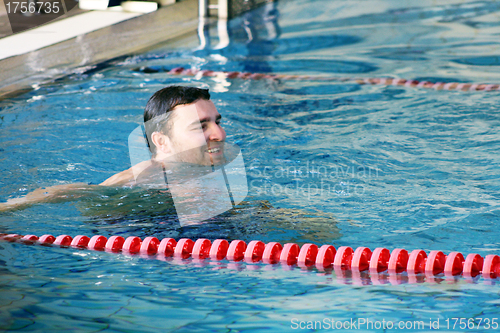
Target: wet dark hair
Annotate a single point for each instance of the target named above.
(158, 111)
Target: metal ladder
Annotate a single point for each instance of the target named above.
(222, 9)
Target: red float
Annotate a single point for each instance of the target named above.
(63, 240)
(416, 262)
(289, 254)
(398, 261)
(491, 266)
(97, 242)
(307, 255)
(184, 248)
(219, 248)
(80, 241)
(361, 259)
(201, 248)
(149, 246)
(473, 265)
(454, 264)
(132, 245)
(11, 237)
(115, 243)
(46, 239)
(379, 260)
(166, 247)
(325, 257)
(254, 251)
(435, 263)
(236, 250)
(30, 239)
(343, 258)
(272, 253)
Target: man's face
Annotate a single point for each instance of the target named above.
(196, 134)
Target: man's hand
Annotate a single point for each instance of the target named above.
(11, 204)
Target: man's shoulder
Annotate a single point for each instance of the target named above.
(127, 177)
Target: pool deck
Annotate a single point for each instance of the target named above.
(56, 49)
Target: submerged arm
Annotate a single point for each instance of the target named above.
(71, 192)
(53, 194)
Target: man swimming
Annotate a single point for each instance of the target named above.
(182, 129)
(182, 126)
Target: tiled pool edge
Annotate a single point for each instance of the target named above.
(20, 73)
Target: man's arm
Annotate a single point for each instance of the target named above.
(70, 192)
(58, 193)
(127, 177)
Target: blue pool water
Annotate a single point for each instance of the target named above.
(327, 162)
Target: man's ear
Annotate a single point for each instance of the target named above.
(162, 142)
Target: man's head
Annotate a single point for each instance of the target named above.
(183, 125)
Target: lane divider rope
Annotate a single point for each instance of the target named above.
(309, 255)
(457, 86)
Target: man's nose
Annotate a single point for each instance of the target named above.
(217, 133)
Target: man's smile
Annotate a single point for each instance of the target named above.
(217, 150)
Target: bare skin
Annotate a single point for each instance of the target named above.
(197, 130)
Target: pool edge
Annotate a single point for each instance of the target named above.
(19, 74)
